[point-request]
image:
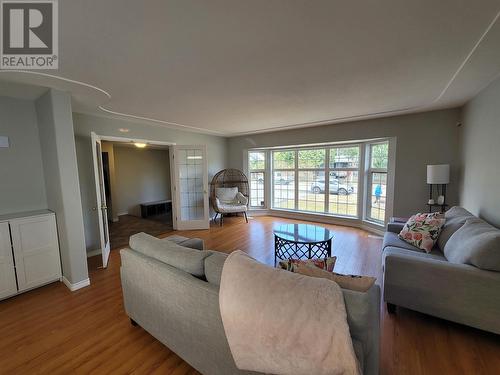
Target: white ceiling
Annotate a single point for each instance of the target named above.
(236, 66)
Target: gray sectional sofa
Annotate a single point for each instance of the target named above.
(458, 281)
(172, 291)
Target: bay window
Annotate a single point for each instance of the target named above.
(346, 180)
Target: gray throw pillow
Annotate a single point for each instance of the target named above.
(184, 258)
(476, 243)
(455, 218)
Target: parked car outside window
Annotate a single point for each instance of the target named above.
(335, 187)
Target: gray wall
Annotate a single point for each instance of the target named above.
(57, 142)
(480, 155)
(22, 184)
(85, 124)
(142, 175)
(423, 138)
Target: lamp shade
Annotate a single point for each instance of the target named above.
(438, 174)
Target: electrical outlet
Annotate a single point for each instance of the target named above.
(4, 142)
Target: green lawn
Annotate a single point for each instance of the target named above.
(339, 205)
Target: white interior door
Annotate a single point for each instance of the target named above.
(101, 208)
(189, 170)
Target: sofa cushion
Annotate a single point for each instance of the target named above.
(435, 254)
(476, 243)
(392, 239)
(213, 266)
(455, 218)
(184, 258)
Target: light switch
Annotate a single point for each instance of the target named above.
(4, 142)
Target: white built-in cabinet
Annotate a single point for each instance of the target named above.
(29, 251)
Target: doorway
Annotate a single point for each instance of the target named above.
(138, 191)
(147, 186)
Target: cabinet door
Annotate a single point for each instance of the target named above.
(36, 251)
(8, 285)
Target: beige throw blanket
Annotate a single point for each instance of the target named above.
(279, 322)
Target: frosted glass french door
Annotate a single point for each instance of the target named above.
(190, 183)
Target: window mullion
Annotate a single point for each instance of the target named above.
(296, 180)
(327, 180)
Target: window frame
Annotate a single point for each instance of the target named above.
(295, 181)
(259, 170)
(324, 170)
(369, 182)
(364, 178)
(359, 169)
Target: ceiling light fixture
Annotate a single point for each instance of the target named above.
(124, 130)
(140, 144)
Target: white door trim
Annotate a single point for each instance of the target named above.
(105, 250)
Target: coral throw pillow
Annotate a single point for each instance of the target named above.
(422, 230)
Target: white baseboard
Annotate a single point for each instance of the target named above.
(76, 286)
(122, 213)
(93, 253)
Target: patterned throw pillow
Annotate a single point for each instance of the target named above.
(326, 264)
(351, 282)
(422, 230)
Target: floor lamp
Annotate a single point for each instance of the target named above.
(438, 175)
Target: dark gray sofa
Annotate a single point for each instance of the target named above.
(173, 293)
(437, 283)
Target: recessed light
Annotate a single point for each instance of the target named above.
(124, 130)
(139, 144)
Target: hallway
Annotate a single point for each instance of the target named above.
(127, 225)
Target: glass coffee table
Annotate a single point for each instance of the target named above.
(301, 241)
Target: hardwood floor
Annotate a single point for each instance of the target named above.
(120, 231)
(53, 331)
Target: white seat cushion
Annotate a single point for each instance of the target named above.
(230, 208)
(226, 195)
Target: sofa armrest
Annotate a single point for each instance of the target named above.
(242, 199)
(457, 292)
(395, 227)
(363, 317)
